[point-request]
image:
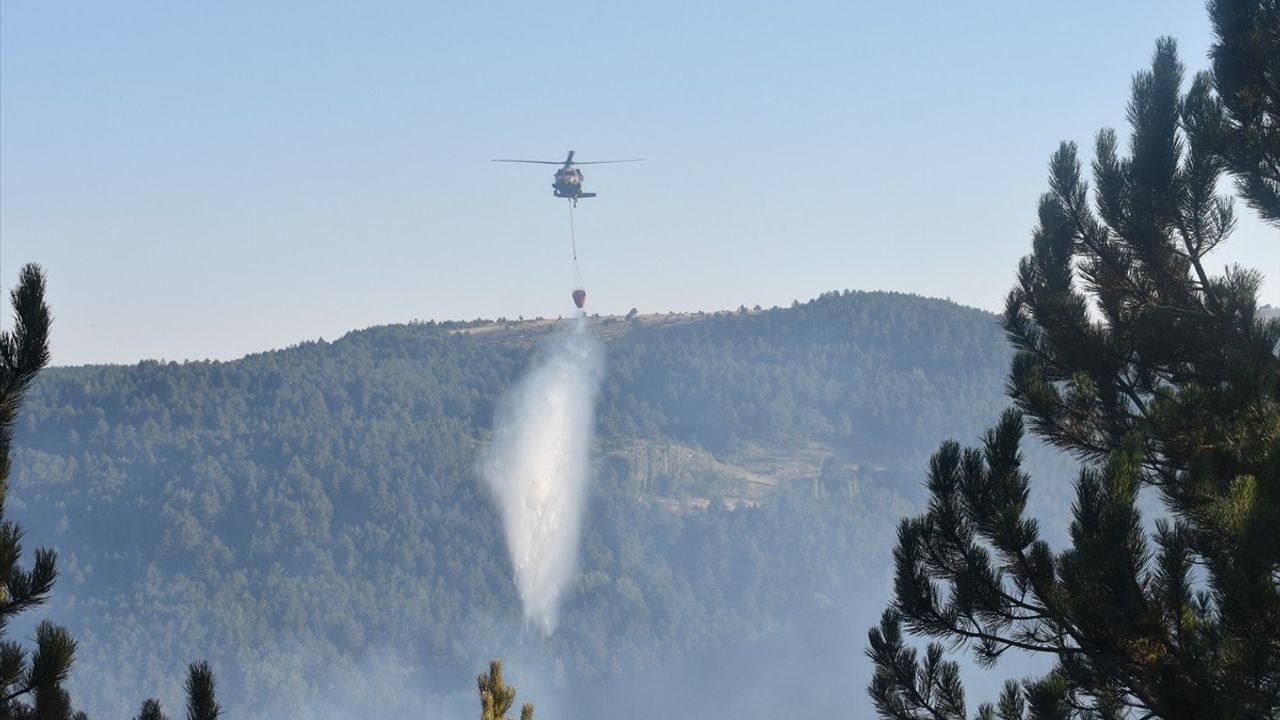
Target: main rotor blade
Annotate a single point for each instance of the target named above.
(605, 162)
(535, 162)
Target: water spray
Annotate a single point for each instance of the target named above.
(537, 468)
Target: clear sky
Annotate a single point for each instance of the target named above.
(213, 179)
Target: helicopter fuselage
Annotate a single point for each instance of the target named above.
(568, 180)
(568, 184)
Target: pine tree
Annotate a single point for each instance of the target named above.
(151, 711)
(30, 687)
(201, 686)
(202, 701)
(1246, 68)
(496, 696)
(1159, 377)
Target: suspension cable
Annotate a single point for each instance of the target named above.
(573, 238)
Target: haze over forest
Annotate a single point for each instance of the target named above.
(311, 519)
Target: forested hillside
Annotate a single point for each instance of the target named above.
(317, 507)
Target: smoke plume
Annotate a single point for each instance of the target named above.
(537, 468)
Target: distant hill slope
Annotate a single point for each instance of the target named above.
(299, 510)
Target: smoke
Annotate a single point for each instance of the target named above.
(537, 468)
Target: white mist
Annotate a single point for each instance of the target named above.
(537, 468)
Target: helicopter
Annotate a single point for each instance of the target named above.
(568, 180)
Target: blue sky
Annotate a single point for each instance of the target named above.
(213, 179)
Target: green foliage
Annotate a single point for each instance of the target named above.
(151, 711)
(201, 687)
(496, 696)
(1157, 375)
(1246, 74)
(29, 686)
(903, 685)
